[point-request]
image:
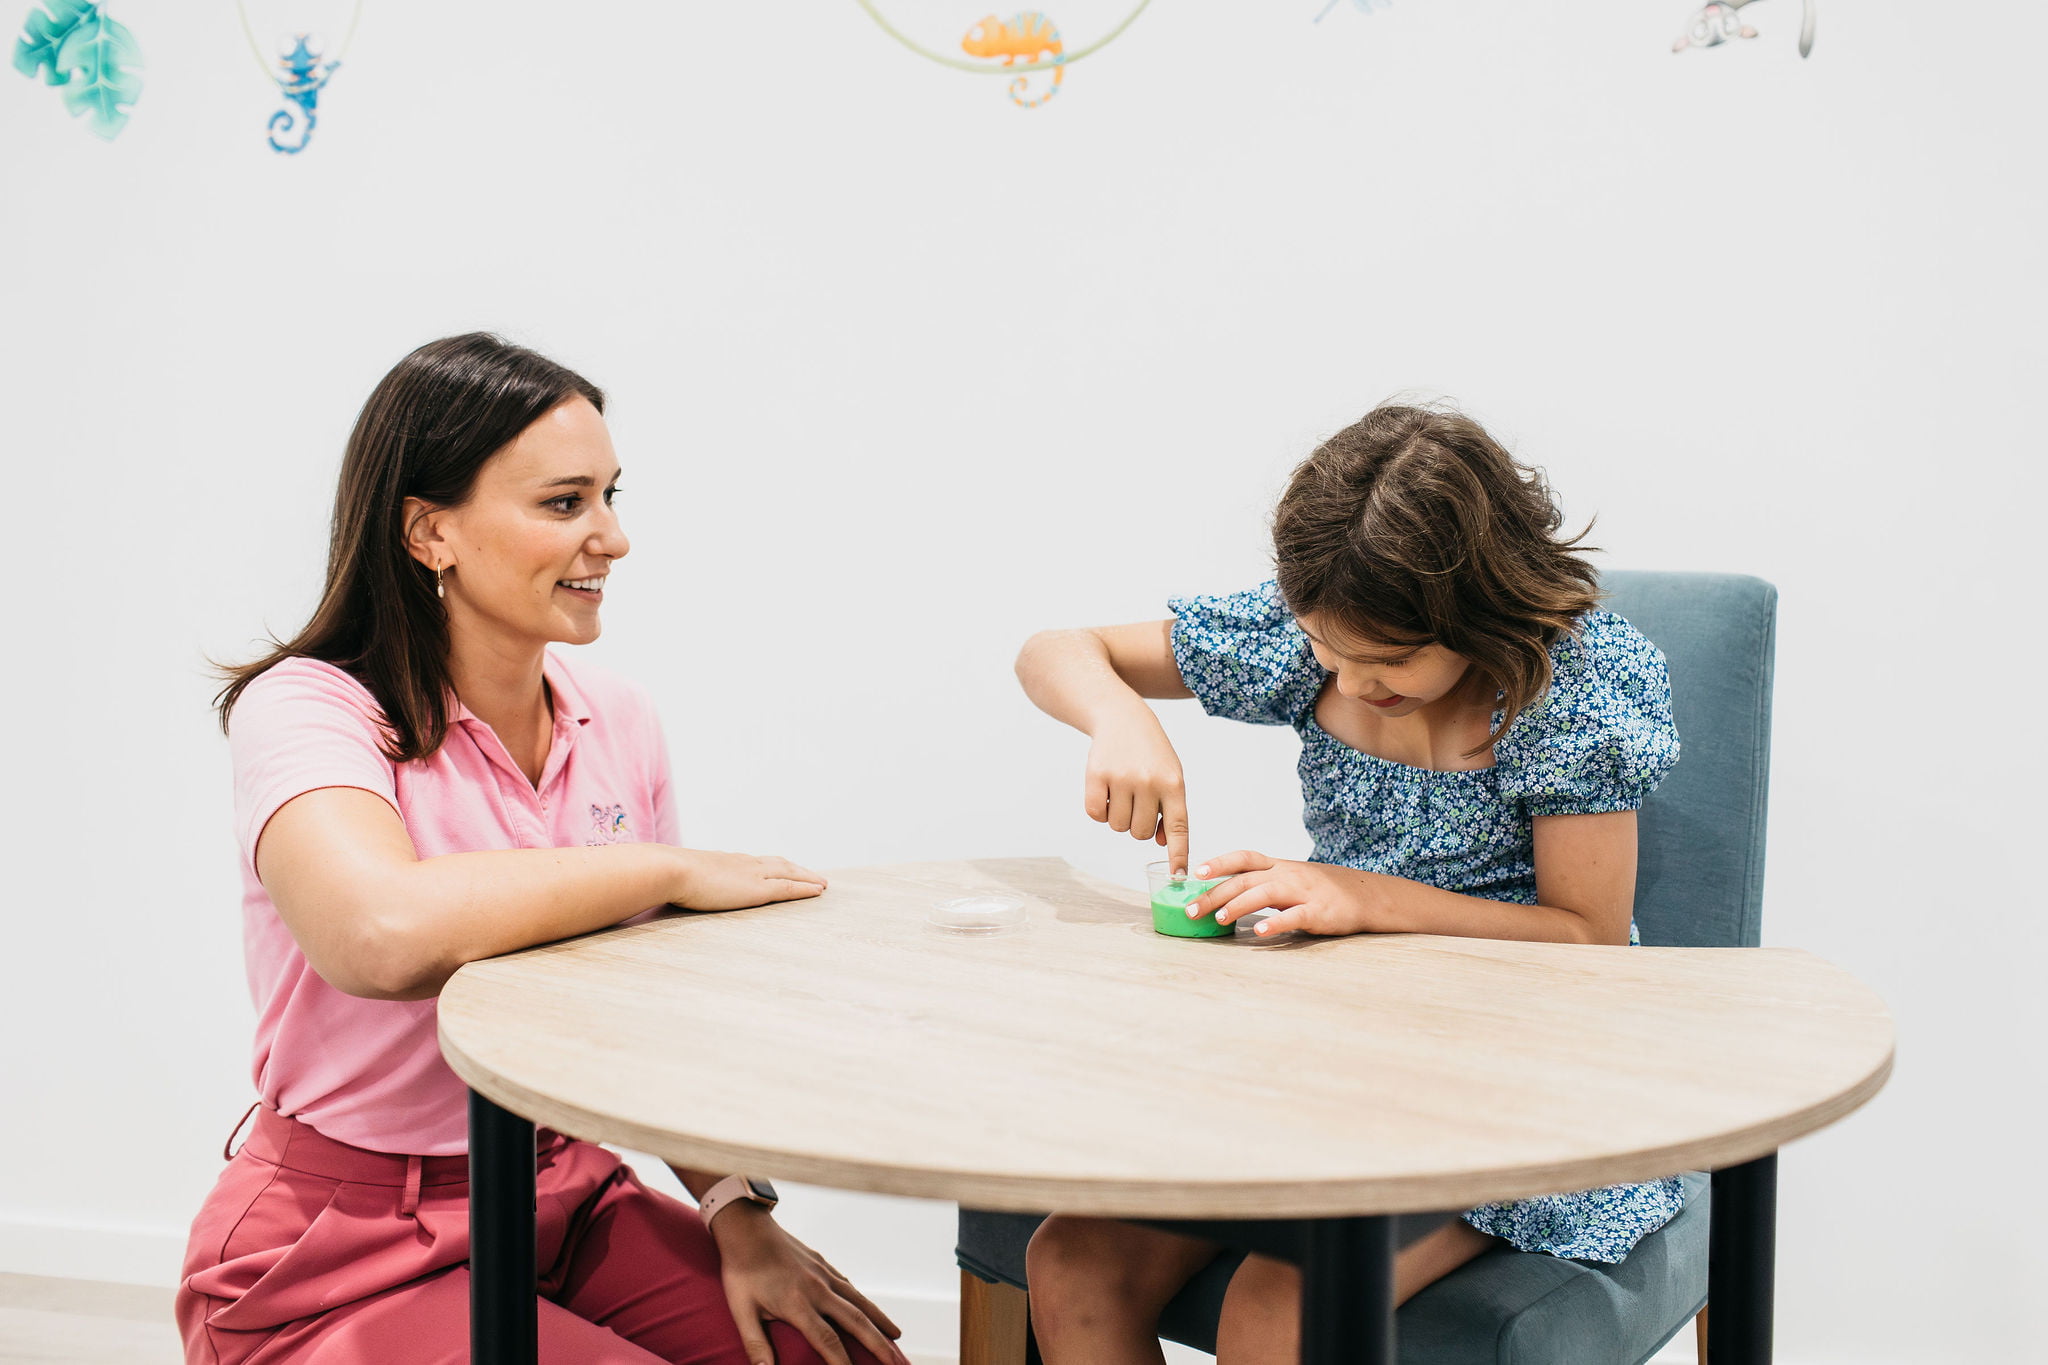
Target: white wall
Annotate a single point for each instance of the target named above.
(902, 373)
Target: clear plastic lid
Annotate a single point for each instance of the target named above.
(991, 913)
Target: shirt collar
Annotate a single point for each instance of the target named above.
(569, 702)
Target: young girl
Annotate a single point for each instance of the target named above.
(1476, 738)
(420, 782)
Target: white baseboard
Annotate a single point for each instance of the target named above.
(70, 1250)
(930, 1323)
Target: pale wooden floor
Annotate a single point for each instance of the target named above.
(80, 1322)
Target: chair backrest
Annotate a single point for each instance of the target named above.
(1700, 860)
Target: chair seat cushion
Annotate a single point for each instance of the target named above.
(1505, 1308)
(992, 1244)
(1515, 1308)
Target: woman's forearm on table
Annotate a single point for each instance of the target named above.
(426, 919)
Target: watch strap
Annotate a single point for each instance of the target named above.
(731, 1189)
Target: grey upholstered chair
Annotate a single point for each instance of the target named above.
(1699, 883)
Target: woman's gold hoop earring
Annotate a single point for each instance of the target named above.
(439, 590)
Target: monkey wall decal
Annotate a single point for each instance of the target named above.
(300, 72)
(1721, 21)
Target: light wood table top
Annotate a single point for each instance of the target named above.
(1085, 1064)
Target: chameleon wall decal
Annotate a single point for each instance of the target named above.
(1027, 36)
(1721, 21)
(304, 76)
(1021, 42)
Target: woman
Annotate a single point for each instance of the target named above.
(420, 783)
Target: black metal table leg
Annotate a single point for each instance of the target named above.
(1742, 1249)
(504, 1311)
(1347, 1291)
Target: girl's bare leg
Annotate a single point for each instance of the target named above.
(1262, 1309)
(1097, 1288)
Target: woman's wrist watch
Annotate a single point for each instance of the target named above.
(742, 1188)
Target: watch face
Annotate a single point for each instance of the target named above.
(761, 1190)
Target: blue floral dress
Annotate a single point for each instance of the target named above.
(1600, 739)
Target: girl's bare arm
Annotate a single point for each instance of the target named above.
(1096, 681)
(1585, 891)
(1079, 676)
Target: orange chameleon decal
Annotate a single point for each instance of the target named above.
(1028, 35)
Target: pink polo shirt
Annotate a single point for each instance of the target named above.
(369, 1072)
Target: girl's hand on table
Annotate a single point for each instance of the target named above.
(737, 881)
(1134, 785)
(769, 1274)
(1315, 898)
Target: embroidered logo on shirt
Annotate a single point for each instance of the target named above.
(608, 826)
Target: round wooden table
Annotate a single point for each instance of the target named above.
(1085, 1064)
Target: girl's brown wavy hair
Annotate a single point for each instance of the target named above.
(1412, 526)
(426, 432)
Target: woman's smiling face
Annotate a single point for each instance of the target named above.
(525, 558)
(1394, 680)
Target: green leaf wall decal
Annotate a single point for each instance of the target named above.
(43, 34)
(92, 59)
(106, 78)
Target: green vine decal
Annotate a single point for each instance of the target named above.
(93, 60)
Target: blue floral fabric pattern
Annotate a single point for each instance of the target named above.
(1600, 739)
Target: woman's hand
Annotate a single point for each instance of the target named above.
(735, 881)
(770, 1275)
(1315, 898)
(1134, 784)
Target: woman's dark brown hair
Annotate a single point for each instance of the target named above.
(1412, 526)
(425, 433)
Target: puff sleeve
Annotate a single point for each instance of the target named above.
(1243, 656)
(1602, 738)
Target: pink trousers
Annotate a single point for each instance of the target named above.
(310, 1250)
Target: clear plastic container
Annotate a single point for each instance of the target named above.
(1170, 897)
(987, 913)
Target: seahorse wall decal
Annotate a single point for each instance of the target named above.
(1721, 22)
(304, 76)
(1027, 35)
